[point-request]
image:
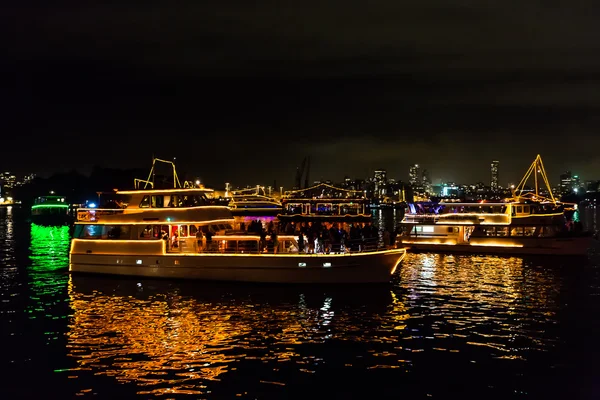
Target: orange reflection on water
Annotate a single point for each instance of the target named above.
(171, 343)
(156, 341)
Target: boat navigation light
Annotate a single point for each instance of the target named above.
(92, 205)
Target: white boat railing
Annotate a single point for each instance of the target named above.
(251, 244)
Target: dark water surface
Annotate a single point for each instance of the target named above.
(447, 327)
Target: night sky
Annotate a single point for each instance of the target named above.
(242, 92)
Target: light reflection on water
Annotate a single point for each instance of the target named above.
(474, 325)
(166, 337)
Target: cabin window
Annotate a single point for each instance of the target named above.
(519, 209)
(526, 209)
(91, 232)
(78, 231)
(104, 232)
(157, 201)
(117, 231)
(145, 203)
(529, 230)
(183, 231)
(502, 231)
(176, 201)
(295, 208)
(193, 230)
(324, 208)
(147, 232)
(516, 231)
(452, 229)
(488, 231)
(428, 229)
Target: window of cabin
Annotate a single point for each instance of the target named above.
(516, 231)
(157, 201)
(183, 231)
(193, 230)
(78, 231)
(488, 231)
(91, 232)
(526, 209)
(147, 232)
(145, 203)
(176, 201)
(528, 230)
(502, 231)
(122, 232)
(519, 209)
(190, 201)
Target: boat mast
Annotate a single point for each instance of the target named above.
(536, 167)
(152, 175)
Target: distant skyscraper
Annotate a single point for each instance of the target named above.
(566, 182)
(414, 177)
(380, 182)
(426, 182)
(495, 175)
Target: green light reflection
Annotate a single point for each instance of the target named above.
(47, 271)
(49, 248)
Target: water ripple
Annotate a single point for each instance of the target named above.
(448, 325)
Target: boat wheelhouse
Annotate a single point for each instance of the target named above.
(51, 210)
(178, 233)
(526, 224)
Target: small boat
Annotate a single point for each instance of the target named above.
(527, 223)
(247, 207)
(51, 210)
(178, 233)
(324, 202)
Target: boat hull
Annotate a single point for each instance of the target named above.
(371, 267)
(568, 246)
(51, 219)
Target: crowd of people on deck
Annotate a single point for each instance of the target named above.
(322, 237)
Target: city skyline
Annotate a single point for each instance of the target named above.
(417, 176)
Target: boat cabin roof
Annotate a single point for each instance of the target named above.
(166, 191)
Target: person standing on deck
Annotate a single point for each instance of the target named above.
(199, 238)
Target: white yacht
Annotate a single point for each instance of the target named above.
(155, 233)
(525, 224)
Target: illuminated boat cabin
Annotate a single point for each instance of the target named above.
(50, 209)
(325, 202)
(173, 215)
(481, 223)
